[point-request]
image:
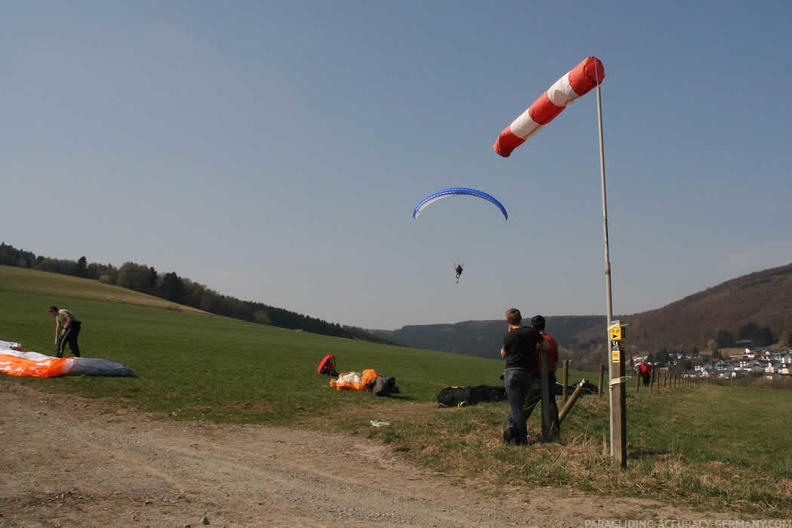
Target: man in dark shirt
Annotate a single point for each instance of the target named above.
(519, 351)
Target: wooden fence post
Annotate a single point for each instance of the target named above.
(601, 380)
(571, 401)
(565, 375)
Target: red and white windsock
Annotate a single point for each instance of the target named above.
(579, 81)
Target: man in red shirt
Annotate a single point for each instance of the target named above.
(534, 395)
(646, 372)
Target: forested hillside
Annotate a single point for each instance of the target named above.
(170, 286)
(754, 310)
(485, 338)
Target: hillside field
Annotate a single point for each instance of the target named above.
(707, 446)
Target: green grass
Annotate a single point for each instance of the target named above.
(709, 446)
(201, 366)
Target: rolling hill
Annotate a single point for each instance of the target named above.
(692, 323)
(763, 298)
(697, 322)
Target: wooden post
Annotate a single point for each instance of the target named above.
(637, 382)
(565, 378)
(547, 419)
(601, 380)
(618, 393)
(568, 405)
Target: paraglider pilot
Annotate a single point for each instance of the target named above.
(458, 270)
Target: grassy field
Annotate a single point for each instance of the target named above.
(709, 446)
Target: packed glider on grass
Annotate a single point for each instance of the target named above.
(577, 82)
(456, 191)
(15, 362)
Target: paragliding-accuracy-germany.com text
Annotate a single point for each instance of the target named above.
(687, 523)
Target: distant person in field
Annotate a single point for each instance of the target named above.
(519, 350)
(645, 372)
(67, 330)
(534, 395)
(458, 270)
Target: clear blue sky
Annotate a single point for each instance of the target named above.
(274, 151)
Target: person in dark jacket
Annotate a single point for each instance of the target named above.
(519, 351)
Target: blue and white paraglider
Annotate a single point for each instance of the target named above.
(429, 199)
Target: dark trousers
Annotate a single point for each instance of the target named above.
(517, 383)
(70, 337)
(534, 397)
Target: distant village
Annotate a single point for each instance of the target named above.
(769, 364)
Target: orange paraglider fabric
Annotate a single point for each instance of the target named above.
(354, 381)
(45, 367)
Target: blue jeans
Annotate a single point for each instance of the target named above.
(517, 383)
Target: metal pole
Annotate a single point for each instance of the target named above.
(608, 294)
(618, 422)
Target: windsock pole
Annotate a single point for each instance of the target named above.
(618, 401)
(581, 79)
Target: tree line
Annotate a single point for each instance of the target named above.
(750, 334)
(180, 290)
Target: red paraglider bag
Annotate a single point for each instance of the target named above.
(327, 366)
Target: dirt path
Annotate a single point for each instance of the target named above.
(78, 462)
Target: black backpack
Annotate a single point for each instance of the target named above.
(454, 397)
(464, 396)
(384, 386)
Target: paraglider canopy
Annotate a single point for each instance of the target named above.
(327, 366)
(429, 199)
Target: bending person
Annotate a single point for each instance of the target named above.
(67, 330)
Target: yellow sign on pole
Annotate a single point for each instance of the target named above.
(618, 402)
(617, 334)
